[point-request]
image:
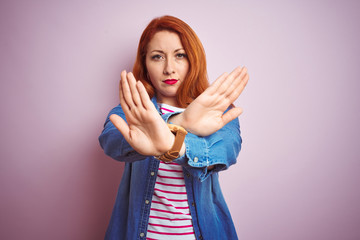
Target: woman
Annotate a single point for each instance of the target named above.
(178, 196)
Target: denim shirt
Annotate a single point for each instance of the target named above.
(210, 215)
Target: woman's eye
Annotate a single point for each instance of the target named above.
(156, 57)
(181, 55)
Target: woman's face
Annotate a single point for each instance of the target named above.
(167, 65)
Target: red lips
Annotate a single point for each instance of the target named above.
(170, 81)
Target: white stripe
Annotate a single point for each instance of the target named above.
(163, 207)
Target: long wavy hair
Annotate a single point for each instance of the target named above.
(196, 80)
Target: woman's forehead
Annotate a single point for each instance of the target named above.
(165, 41)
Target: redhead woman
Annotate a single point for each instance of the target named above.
(175, 133)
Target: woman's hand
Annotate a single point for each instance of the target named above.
(205, 115)
(145, 130)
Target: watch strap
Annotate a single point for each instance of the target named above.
(173, 153)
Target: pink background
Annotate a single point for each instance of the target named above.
(298, 173)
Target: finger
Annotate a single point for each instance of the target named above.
(134, 90)
(121, 125)
(239, 88)
(215, 85)
(144, 96)
(125, 106)
(123, 102)
(225, 87)
(239, 78)
(233, 77)
(236, 87)
(126, 90)
(231, 115)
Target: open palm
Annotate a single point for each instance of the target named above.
(205, 115)
(144, 130)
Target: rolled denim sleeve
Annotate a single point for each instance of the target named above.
(113, 142)
(219, 149)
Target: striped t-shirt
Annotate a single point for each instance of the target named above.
(170, 216)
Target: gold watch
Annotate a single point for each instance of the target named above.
(173, 153)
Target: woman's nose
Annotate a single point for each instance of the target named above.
(169, 67)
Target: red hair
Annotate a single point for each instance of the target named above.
(196, 80)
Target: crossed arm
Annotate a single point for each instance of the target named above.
(148, 134)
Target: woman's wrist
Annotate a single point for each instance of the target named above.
(182, 150)
(170, 141)
(175, 119)
(178, 119)
(177, 141)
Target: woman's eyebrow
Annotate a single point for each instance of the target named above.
(157, 51)
(177, 50)
(160, 51)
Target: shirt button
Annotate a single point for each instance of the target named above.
(152, 173)
(147, 201)
(142, 234)
(196, 159)
(188, 174)
(200, 237)
(193, 204)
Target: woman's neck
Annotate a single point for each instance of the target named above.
(169, 101)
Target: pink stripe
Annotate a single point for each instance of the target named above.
(170, 177)
(151, 238)
(171, 219)
(171, 200)
(171, 163)
(156, 189)
(172, 185)
(167, 109)
(167, 226)
(165, 211)
(169, 205)
(165, 233)
(169, 170)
